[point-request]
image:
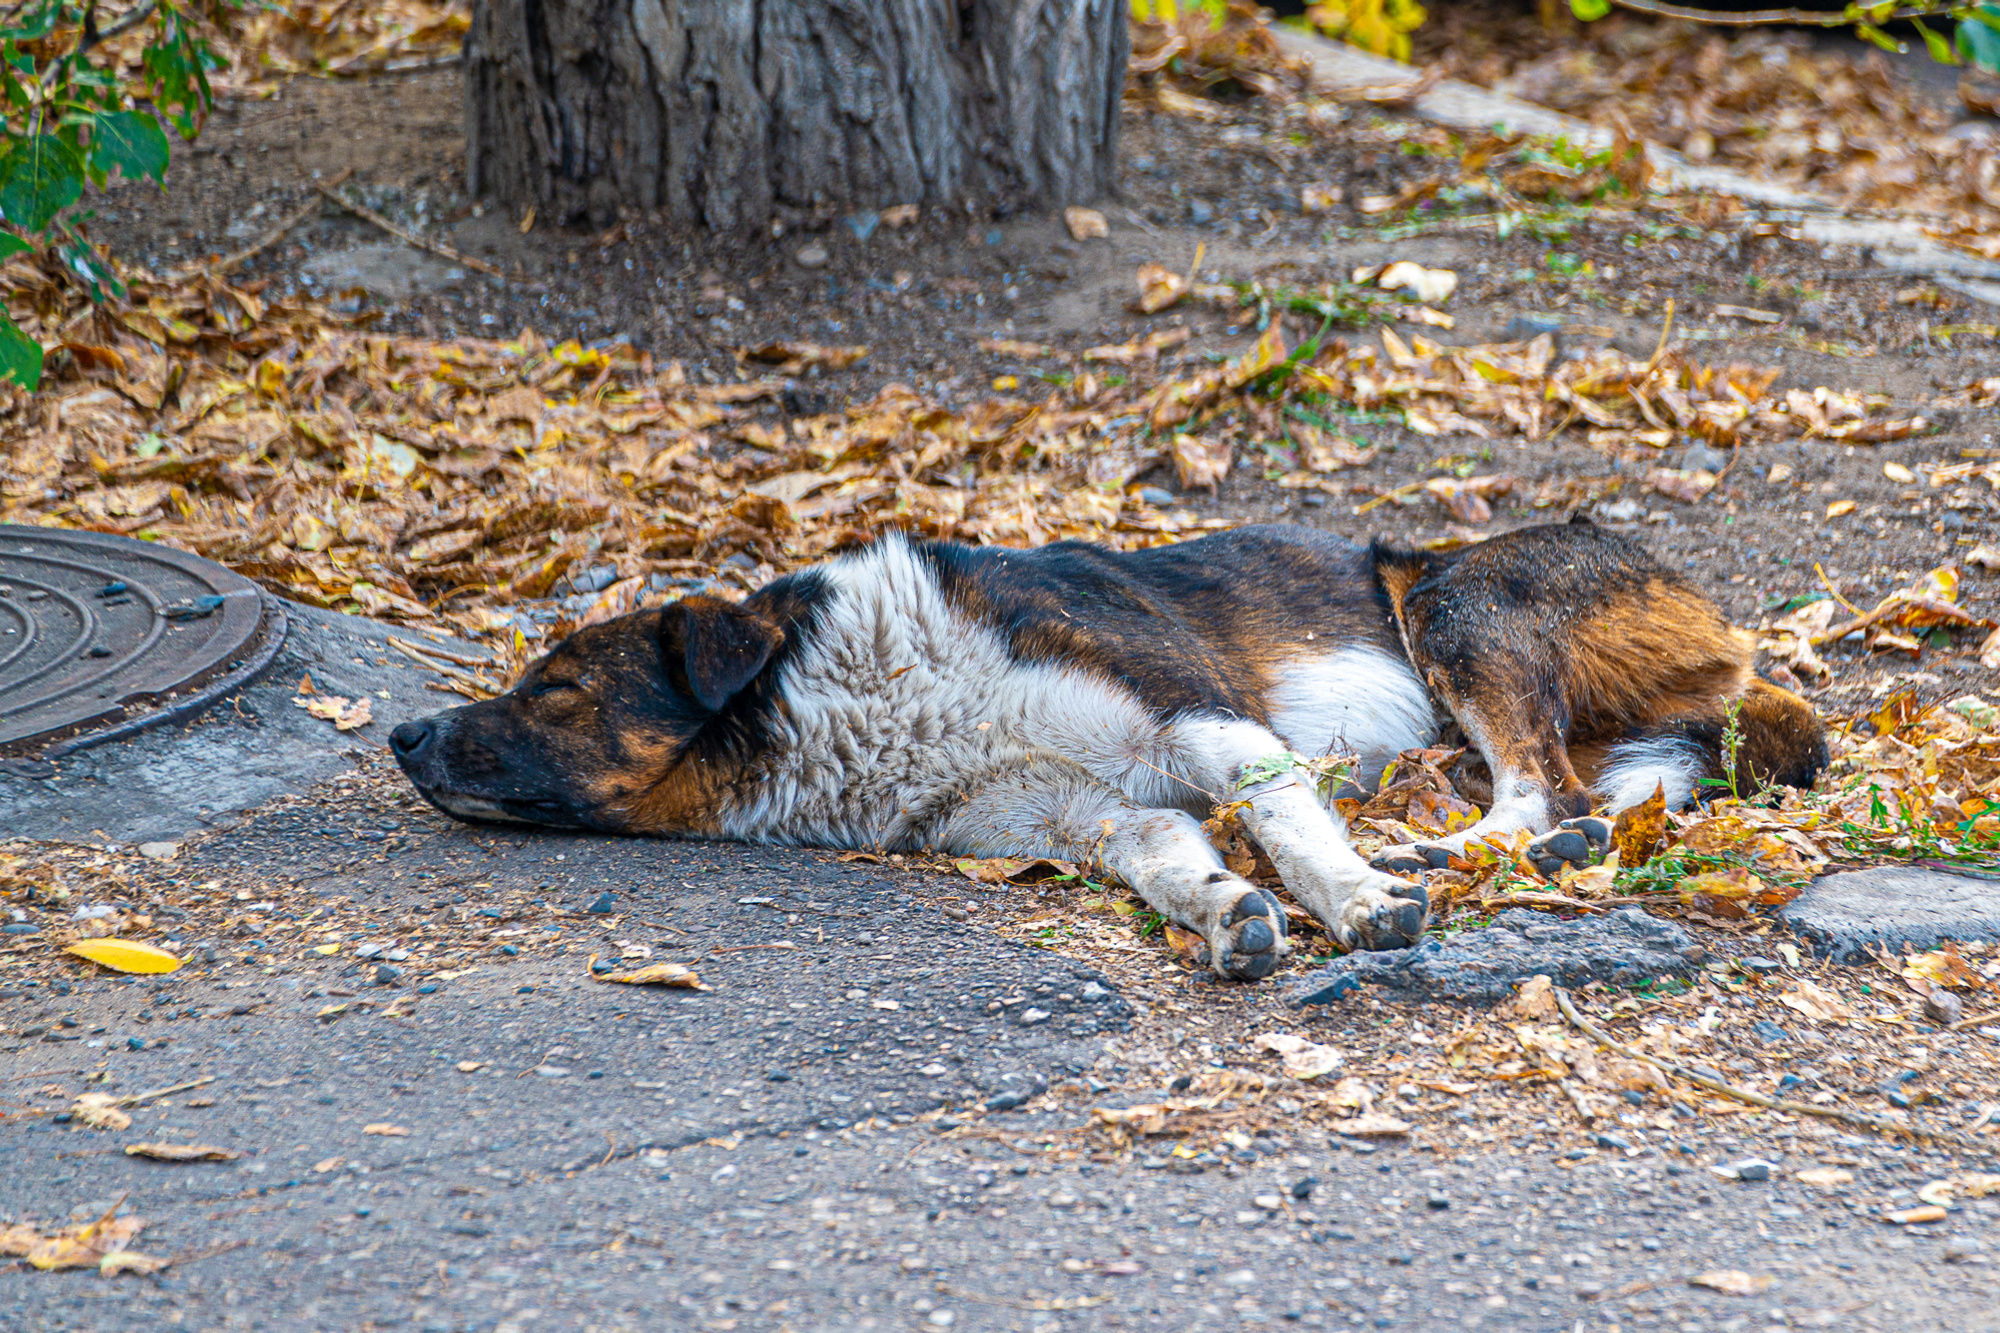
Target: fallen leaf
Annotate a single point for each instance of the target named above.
(659, 974)
(1014, 869)
(99, 1110)
(1897, 472)
(1984, 556)
(384, 1129)
(1535, 999)
(1824, 1176)
(899, 216)
(1733, 1282)
(1319, 198)
(124, 955)
(1159, 288)
(468, 1066)
(793, 358)
(1016, 347)
(1431, 286)
(1816, 1002)
(130, 1261)
(1186, 943)
(1200, 462)
(1085, 223)
(320, 1168)
(1683, 484)
(181, 1152)
(1841, 508)
(345, 714)
(1300, 1058)
(1372, 1127)
(79, 1245)
(1746, 312)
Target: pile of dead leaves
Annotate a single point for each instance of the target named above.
(1768, 103)
(1185, 49)
(256, 48)
(432, 482)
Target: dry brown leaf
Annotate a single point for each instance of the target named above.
(1372, 1126)
(1535, 1000)
(181, 1152)
(1300, 1058)
(345, 714)
(1733, 1282)
(99, 1110)
(1640, 830)
(1160, 288)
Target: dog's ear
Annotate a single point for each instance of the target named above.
(716, 646)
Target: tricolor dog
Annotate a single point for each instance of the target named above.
(1090, 704)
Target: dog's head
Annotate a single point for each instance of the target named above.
(599, 733)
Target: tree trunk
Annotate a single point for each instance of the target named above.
(721, 112)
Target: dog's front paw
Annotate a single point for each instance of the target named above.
(1250, 938)
(1389, 915)
(1411, 858)
(1574, 842)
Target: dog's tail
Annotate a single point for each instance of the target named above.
(1767, 736)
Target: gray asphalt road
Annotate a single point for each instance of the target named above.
(766, 1154)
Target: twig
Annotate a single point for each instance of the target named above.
(661, 925)
(1895, 606)
(449, 672)
(133, 1099)
(431, 650)
(1411, 489)
(1544, 900)
(744, 948)
(1812, 18)
(264, 242)
(1845, 1117)
(438, 248)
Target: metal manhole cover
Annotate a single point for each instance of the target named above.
(103, 636)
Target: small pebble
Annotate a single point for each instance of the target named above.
(601, 905)
(386, 975)
(812, 256)
(1943, 1008)
(1612, 1141)
(159, 851)
(1749, 1169)
(1763, 967)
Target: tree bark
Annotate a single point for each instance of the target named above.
(721, 112)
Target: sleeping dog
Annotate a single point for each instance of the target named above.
(1096, 705)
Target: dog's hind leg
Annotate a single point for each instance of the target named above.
(1363, 907)
(1050, 807)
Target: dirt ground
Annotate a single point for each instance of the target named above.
(1230, 191)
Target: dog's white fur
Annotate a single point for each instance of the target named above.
(906, 724)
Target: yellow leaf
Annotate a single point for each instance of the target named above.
(100, 1110)
(124, 955)
(130, 1261)
(1841, 508)
(659, 974)
(326, 949)
(1640, 829)
(386, 1130)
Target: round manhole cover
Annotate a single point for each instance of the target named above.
(103, 636)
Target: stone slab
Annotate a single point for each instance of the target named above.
(1625, 948)
(1846, 916)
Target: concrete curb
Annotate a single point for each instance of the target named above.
(1897, 244)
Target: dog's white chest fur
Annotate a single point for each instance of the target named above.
(899, 703)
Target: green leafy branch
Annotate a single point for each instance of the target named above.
(70, 119)
(1868, 21)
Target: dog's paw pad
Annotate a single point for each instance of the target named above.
(1392, 918)
(1411, 858)
(1574, 842)
(1252, 939)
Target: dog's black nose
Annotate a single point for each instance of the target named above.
(412, 738)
